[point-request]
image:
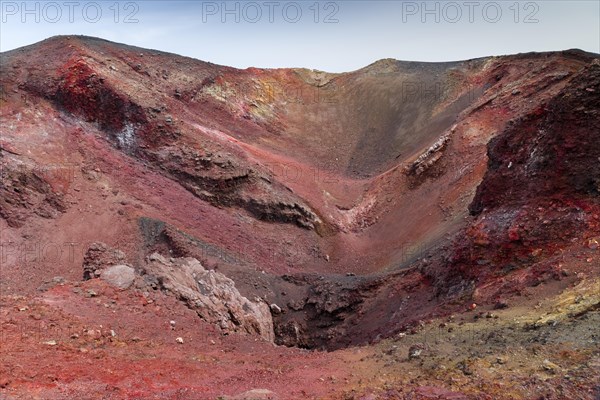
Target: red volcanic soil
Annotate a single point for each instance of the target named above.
(364, 211)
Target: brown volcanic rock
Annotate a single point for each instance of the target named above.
(98, 258)
(26, 190)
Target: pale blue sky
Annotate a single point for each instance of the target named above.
(342, 36)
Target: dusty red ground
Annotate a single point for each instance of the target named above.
(286, 172)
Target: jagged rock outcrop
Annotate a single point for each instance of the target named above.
(539, 194)
(98, 258)
(551, 153)
(224, 181)
(211, 294)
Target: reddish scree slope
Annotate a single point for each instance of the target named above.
(325, 152)
(434, 183)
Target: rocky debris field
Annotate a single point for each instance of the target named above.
(91, 340)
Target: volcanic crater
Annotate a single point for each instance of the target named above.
(290, 209)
